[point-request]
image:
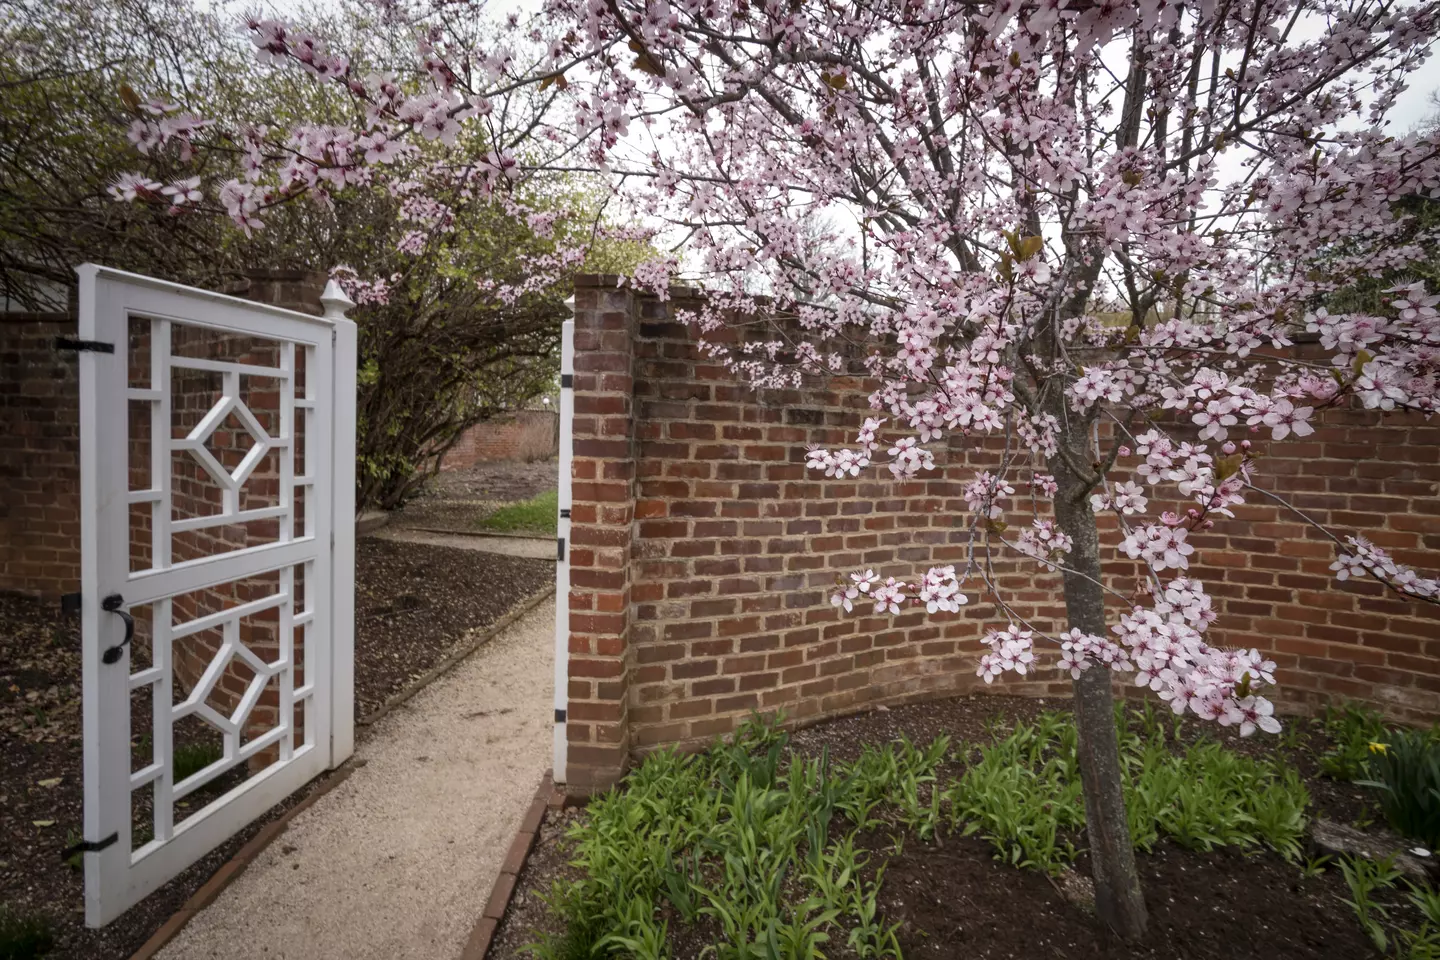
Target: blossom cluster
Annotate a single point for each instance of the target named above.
(938, 591)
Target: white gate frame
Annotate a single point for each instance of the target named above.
(112, 882)
(562, 565)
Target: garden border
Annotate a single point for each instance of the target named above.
(477, 947)
(481, 535)
(236, 865)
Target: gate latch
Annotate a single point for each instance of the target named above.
(111, 604)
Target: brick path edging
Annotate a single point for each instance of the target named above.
(546, 797)
(236, 865)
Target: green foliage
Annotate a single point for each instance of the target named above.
(191, 758)
(24, 936)
(76, 861)
(1407, 775)
(740, 836)
(1422, 943)
(1366, 878)
(536, 515)
(765, 844)
(1369, 880)
(1024, 794)
(1351, 729)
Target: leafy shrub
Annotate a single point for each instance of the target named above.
(24, 936)
(1407, 775)
(1351, 729)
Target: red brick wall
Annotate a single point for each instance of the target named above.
(524, 435)
(39, 465)
(703, 554)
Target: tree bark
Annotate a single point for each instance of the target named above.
(1118, 899)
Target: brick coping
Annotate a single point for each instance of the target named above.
(326, 782)
(546, 797)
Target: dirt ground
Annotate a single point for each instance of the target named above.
(955, 902)
(415, 600)
(456, 499)
(413, 603)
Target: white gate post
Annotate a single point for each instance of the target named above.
(342, 527)
(562, 567)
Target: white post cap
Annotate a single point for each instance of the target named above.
(335, 301)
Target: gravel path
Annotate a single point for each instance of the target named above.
(396, 862)
(535, 548)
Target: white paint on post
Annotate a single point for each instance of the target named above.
(562, 567)
(342, 582)
(104, 561)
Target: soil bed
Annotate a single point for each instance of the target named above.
(413, 604)
(414, 601)
(952, 899)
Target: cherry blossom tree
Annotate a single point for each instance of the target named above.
(1103, 237)
(1090, 233)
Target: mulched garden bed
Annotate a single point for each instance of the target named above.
(413, 604)
(413, 601)
(952, 899)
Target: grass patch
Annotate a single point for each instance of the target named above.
(765, 847)
(191, 758)
(536, 515)
(24, 936)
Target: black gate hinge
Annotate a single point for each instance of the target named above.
(559, 716)
(94, 346)
(560, 544)
(89, 846)
(70, 604)
(567, 381)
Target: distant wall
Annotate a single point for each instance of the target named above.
(703, 554)
(524, 435)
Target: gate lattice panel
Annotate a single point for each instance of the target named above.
(216, 456)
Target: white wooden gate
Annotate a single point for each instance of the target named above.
(217, 597)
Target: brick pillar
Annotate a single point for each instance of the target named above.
(601, 535)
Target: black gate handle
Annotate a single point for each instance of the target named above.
(111, 604)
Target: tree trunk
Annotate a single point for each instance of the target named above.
(1112, 856)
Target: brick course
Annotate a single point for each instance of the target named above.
(704, 553)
